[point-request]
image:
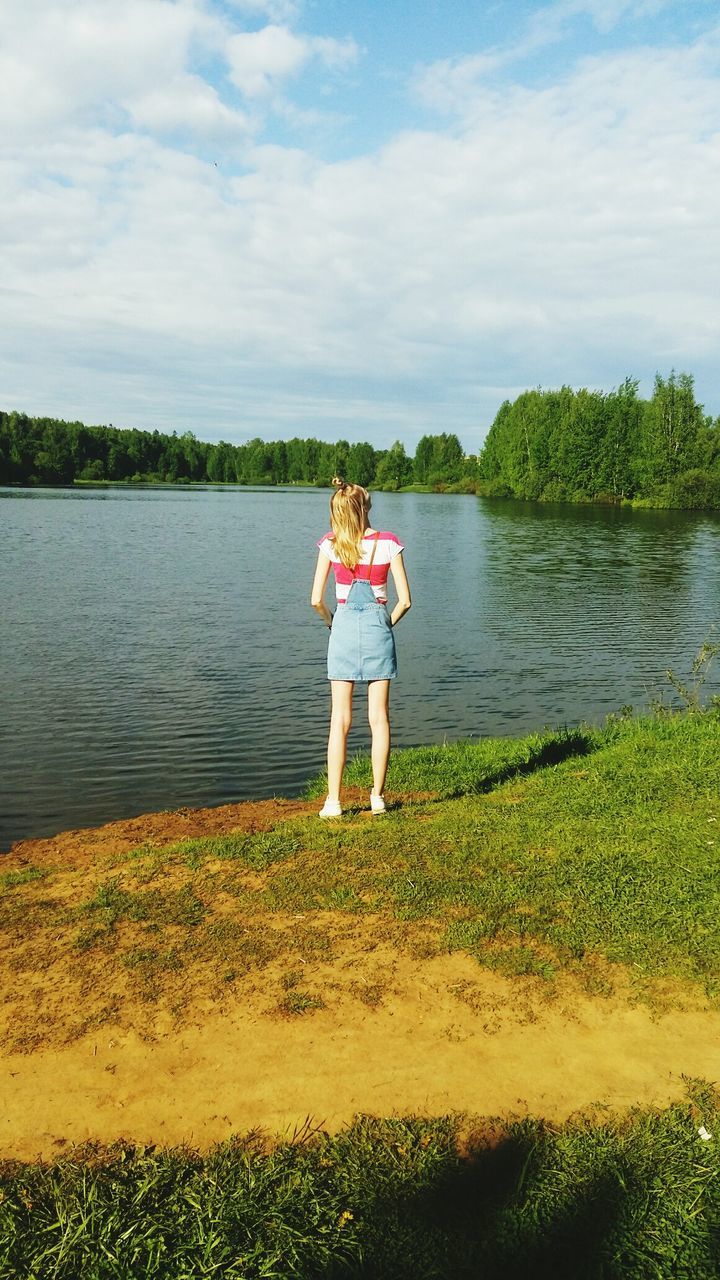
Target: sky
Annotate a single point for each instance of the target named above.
(358, 220)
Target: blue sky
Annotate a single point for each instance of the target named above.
(369, 221)
(395, 39)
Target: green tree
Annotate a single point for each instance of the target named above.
(336, 460)
(53, 461)
(361, 461)
(296, 455)
(394, 468)
(447, 462)
(621, 440)
(423, 459)
(672, 423)
(279, 462)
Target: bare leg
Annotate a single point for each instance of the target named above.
(378, 703)
(340, 721)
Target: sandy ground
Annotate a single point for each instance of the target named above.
(442, 1035)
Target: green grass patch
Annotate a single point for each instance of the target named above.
(299, 1002)
(519, 961)
(398, 1199)
(611, 849)
(467, 767)
(256, 851)
(112, 903)
(11, 879)
(149, 966)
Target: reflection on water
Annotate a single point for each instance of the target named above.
(157, 648)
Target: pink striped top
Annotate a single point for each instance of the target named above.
(388, 546)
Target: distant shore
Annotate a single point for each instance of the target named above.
(463, 489)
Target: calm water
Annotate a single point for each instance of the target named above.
(157, 648)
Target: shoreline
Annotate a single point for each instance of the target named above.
(449, 490)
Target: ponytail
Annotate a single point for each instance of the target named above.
(349, 507)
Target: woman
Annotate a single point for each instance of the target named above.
(362, 645)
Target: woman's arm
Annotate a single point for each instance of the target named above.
(322, 570)
(397, 569)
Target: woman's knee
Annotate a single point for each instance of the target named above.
(378, 718)
(340, 721)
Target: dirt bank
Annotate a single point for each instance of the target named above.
(368, 1021)
(82, 847)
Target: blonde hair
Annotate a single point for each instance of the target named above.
(349, 507)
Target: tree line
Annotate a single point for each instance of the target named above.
(565, 445)
(581, 446)
(36, 451)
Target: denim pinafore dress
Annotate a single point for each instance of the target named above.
(362, 644)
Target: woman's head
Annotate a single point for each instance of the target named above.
(349, 507)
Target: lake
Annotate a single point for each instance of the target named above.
(157, 647)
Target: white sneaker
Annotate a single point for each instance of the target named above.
(331, 809)
(377, 803)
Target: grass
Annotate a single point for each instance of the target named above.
(636, 1198)
(559, 851)
(10, 879)
(535, 855)
(592, 842)
(298, 1002)
(470, 767)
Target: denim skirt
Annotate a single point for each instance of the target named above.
(362, 644)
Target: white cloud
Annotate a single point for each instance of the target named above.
(93, 63)
(282, 11)
(606, 14)
(335, 54)
(261, 60)
(63, 63)
(558, 234)
(446, 84)
(187, 103)
(549, 22)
